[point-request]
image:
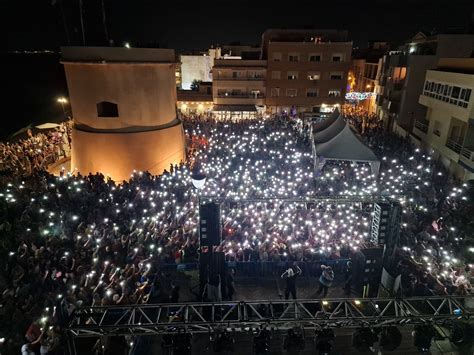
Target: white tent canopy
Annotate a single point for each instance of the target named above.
(319, 126)
(47, 125)
(346, 146)
(330, 132)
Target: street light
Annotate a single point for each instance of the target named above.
(62, 100)
(197, 177)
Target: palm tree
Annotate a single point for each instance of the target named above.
(195, 85)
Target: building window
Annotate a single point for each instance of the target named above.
(293, 57)
(337, 58)
(456, 91)
(277, 57)
(275, 92)
(107, 109)
(314, 75)
(292, 75)
(465, 94)
(454, 95)
(276, 74)
(312, 93)
(291, 92)
(334, 93)
(314, 57)
(336, 76)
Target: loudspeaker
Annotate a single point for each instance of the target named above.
(386, 223)
(210, 232)
(367, 271)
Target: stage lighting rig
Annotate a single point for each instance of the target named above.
(363, 339)
(324, 340)
(390, 338)
(261, 340)
(223, 342)
(422, 337)
(182, 342)
(295, 340)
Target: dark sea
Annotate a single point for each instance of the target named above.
(34, 82)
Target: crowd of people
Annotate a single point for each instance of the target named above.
(73, 240)
(36, 152)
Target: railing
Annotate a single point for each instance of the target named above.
(454, 146)
(421, 125)
(246, 96)
(246, 78)
(468, 153)
(266, 268)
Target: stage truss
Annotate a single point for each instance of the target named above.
(157, 319)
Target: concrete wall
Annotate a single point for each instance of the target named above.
(137, 89)
(146, 135)
(410, 109)
(118, 154)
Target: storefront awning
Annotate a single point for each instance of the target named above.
(234, 108)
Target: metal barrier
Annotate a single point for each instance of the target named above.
(266, 268)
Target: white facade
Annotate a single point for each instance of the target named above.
(197, 67)
(448, 128)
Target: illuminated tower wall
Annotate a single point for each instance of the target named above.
(123, 103)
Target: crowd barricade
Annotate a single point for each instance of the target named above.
(266, 268)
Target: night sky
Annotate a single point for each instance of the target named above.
(186, 25)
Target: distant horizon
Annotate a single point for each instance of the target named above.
(187, 26)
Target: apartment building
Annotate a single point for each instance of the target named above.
(366, 69)
(306, 69)
(238, 89)
(448, 127)
(403, 72)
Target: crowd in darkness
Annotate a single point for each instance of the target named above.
(36, 152)
(73, 240)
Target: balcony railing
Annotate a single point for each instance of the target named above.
(468, 153)
(246, 96)
(422, 125)
(243, 78)
(454, 145)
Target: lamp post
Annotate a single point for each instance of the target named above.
(199, 180)
(62, 100)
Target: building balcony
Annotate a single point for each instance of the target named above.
(468, 153)
(240, 96)
(422, 125)
(454, 145)
(240, 78)
(239, 99)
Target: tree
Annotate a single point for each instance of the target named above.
(195, 85)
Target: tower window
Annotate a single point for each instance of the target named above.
(107, 109)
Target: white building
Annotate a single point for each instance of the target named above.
(197, 67)
(448, 128)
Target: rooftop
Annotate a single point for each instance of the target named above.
(117, 55)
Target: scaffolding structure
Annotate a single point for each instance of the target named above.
(166, 318)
